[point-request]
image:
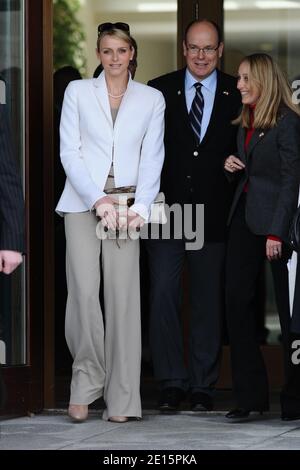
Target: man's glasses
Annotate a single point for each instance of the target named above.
(109, 26)
(195, 50)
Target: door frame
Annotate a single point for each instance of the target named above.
(188, 10)
(25, 389)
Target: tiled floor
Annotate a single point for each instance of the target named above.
(182, 431)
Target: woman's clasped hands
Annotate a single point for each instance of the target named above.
(116, 216)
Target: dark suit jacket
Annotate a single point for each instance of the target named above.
(193, 173)
(273, 169)
(11, 197)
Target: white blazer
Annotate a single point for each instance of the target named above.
(89, 142)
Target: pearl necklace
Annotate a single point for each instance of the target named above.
(116, 96)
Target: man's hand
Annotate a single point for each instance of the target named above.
(9, 261)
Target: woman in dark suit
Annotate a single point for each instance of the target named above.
(268, 170)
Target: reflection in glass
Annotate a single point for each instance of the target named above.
(152, 24)
(269, 26)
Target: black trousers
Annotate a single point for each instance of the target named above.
(295, 325)
(290, 395)
(245, 256)
(206, 293)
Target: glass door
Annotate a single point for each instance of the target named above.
(269, 26)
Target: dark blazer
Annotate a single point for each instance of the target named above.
(193, 173)
(273, 170)
(11, 197)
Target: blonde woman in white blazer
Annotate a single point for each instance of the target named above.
(111, 136)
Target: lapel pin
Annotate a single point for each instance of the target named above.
(225, 93)
(261, 134)
(179, 92)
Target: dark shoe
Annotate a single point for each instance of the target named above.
(238, 414)
(170, 399)
(290, 403)
(290, 416)
(201, 402)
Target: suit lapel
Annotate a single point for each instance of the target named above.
(181, 109)
(220, 102)
(257, 136)
(123, 109)
(100, 91)
(241, 144)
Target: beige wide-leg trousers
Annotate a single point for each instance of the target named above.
(106, 358)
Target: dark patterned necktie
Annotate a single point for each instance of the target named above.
(196, 111)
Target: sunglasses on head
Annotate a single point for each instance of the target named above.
(109, 26)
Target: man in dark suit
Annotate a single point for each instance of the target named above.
(198, 137)
(11, 208)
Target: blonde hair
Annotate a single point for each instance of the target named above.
(117, 33)
(274, 90)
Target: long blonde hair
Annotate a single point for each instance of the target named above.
(274, 90)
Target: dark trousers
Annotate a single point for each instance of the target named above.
(290, 395)
(295, 322)
(206, 284)
(245, 256)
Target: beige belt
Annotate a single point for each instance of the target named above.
(123, 190)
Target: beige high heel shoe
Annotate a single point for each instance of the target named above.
(118, 419)
(78, 413)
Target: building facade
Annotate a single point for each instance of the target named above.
(34, 357)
